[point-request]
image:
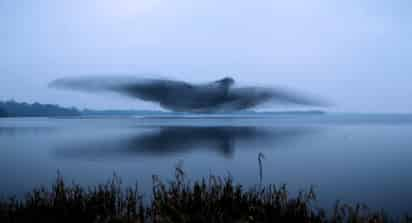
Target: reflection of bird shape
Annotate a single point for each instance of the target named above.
(217, 96)
(173, 139)
(165, 141)
(223, 139)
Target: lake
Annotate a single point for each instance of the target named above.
(363, 158)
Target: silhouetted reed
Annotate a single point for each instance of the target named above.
(212, 199)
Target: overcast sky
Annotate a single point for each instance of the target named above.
(355, 53)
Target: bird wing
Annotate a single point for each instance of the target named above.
(220, 96)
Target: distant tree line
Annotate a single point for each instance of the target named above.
(15, 109)
(3, 113)
(89, 112)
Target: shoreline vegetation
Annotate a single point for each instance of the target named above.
(16, 109)
(212, 199)
(3, 113)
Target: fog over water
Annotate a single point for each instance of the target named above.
(353, 158)
(346, 63)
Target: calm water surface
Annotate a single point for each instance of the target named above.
(364, 158)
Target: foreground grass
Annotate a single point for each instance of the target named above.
(213, 199)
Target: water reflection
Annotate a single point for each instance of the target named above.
(172, 140)
(19, 131)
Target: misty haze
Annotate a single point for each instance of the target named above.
(205, 111)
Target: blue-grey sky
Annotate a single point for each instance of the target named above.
(355, 53)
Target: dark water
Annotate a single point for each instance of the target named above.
(353, 158)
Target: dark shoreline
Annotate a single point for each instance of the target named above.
(212, 199)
